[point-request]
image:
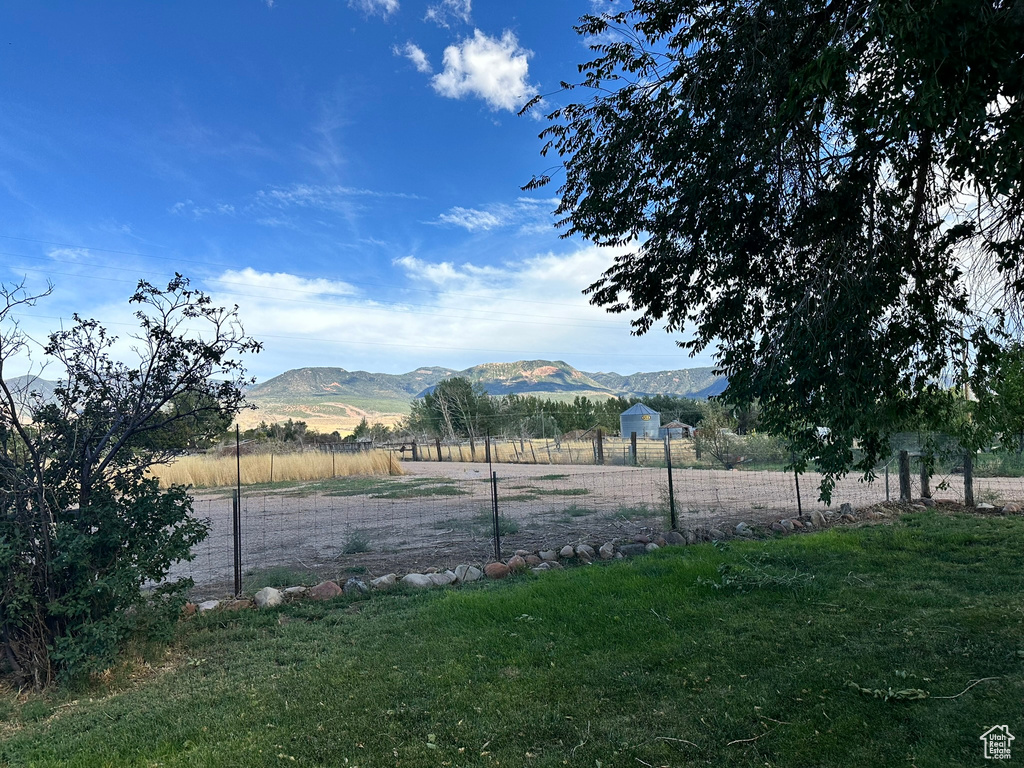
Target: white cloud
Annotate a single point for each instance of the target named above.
(472, 219)
(443, 313)
(531, 215)
(188, 208)
(330, 197)
(448, 11)
(373, 7)
(495, 70)
(415, 54)
(282, 284)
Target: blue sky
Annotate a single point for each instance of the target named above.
(348, 173)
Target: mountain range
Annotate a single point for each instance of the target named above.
(329, 398)
(337, 398)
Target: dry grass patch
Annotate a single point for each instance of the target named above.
(219, 472)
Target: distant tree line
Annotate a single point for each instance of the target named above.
(458, 409)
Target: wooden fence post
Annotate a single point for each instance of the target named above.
(904, 476)
(600, 447)
(926, 492)
(968, 478)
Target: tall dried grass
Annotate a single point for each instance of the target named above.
(539, 451)
(219, 472)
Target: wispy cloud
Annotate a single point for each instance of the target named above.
(495, 70)
(188, 208)
(282, 284)
(373, 7)
(415, 54)
(530, 215)
(472, 219)
(449, 11)
(328, 197)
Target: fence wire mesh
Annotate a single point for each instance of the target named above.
(441, 514)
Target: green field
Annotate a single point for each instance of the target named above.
(874, 646)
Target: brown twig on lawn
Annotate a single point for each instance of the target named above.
(669, 738)
(750, 741)
(965, 690)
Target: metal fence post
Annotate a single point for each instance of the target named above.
(671, 493)
(237, 517)
(968, 478)
(632, 447)
(236, 538)
(904, 476)
(796, 481)
(494, 509)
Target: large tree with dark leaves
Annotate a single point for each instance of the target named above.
(829, 192)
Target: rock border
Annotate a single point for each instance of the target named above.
(585, 553)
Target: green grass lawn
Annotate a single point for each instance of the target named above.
(740, 655)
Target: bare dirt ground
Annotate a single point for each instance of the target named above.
(441, 514)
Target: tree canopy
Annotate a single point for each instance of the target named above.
(829, 193)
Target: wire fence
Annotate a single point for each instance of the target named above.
(443, 514)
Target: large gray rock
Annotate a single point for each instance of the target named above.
(585, 549)
(817, 518)
(651, 546)
(629, 550)
(548, 555)
(742, 529)
(208, 605)
(442, 579)
(787, 524)
(384, 582)
(690, 537)
(607, 550)
(716, 535)
(675, 538)
(268, 597)
(356, 587)
(467, 573)
(567, 552)
(294, 591)
(418, 580)
(845, 509)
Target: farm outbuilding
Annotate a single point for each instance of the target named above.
(676, 429)
(640, 419)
